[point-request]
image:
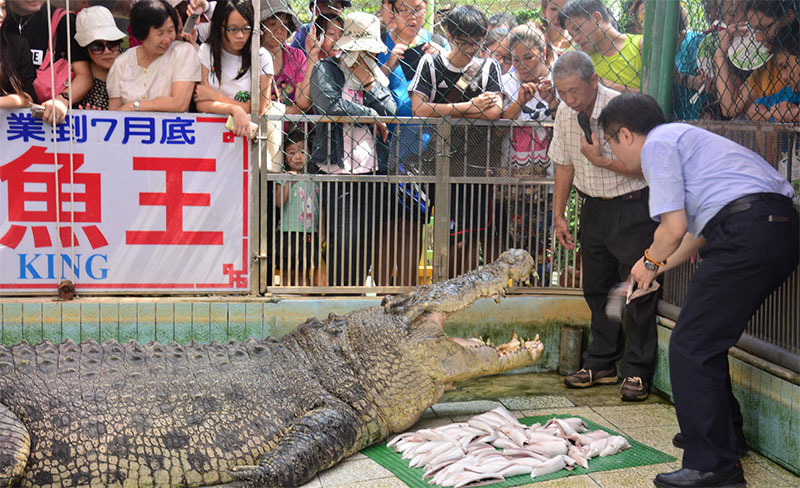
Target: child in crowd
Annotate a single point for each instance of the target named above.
(301, 236)
(530, 97)
(459, 84)
(225, 82)
(783, 105)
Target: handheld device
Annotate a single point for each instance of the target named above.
(188, 27)
(37, 110)
(583, 121)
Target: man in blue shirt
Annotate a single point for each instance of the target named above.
(738, 212)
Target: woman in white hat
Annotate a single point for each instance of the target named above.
(96, 30)
(352, 84)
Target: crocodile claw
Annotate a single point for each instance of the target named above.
(248, 473)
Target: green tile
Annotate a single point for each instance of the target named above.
(236, 321)
(183, 323)
(12, 323)
(146, 322)
(90, 321)
(32, 322)
(109, 321)
(71, 321)
(218, 319)
(128, 323)
(51, 322)
(165, 322)
(254, 320)
(201, 331)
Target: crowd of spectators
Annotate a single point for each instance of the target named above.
(470, 66)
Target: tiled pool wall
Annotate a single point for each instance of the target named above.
(770, 404)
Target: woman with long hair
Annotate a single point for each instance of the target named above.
(224, 86)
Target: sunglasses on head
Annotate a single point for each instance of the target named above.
(98, 47)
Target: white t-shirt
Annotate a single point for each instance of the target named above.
(130, 82)
(231, 63)
(529, 143)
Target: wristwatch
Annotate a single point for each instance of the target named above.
(649, 265)
(136, 105)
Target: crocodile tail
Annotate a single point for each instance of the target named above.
(15, 447)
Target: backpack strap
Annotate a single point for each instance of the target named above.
(456, 91)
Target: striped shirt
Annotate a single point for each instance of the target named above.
(565, 149)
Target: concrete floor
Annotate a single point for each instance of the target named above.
(652, 423)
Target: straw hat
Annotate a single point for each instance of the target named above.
(96, 24)
(362, 32)
(270, 8)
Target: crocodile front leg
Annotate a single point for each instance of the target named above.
(15, 447)
(316, 441)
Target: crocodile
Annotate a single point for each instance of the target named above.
(252, 413)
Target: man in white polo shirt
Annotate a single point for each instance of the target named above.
(615, 228)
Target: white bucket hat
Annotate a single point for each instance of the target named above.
(96, 24)
(362, 32)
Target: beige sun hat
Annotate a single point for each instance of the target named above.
(96, 24)
(270, 8)
(362, 32)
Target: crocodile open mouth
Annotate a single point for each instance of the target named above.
(515, 346)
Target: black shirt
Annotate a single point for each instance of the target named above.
(35, 31)
(21, 62)
(435, 77)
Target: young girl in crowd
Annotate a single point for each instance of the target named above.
(529, 98)
(225, 59)
(299, 201)
(278, 21)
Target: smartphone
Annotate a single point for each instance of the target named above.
(188, 27)
(37, 110)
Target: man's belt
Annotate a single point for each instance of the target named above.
(740, 205)
(634, 195)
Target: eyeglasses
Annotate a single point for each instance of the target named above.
(98, 47)
(467, 44)
(407, 12)
(238, 30)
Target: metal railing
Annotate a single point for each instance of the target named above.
(381, 232)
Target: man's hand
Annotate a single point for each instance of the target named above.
(642, 276)
(563, 234)
(592, 152)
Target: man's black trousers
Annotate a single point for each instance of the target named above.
(746, 257)
(613, 236)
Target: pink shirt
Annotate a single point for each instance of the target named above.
(291, 74)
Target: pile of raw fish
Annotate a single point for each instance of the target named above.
(466, 453)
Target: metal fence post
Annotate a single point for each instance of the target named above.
(441, 213)
(666, 73)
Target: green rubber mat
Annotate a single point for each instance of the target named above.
(638, 455)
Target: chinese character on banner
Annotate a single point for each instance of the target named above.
(74, 126)
(36, 199)
(24, 126)
(177, 131)
(144, 127)
(174, 199)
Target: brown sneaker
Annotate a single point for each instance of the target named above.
(634, 389)
(585, 378)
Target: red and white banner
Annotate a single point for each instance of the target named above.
(145, 202)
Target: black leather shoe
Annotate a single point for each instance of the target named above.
(692, 478)
(741, 445)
